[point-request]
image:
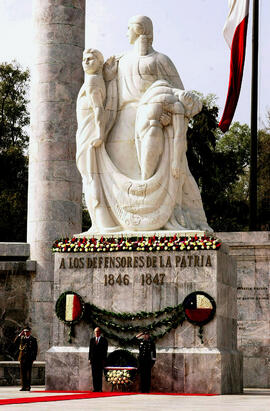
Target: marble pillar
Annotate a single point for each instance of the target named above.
(54, 196)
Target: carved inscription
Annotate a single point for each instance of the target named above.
(155, 261)
(144, 270)
(145, 279)
(253, 293)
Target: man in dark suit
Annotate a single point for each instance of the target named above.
(27, 355)
(97, 357)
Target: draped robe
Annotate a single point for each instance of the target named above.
(161, 201)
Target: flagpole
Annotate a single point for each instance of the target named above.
(253, 123)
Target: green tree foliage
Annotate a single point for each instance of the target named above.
(86, 220)
(14, 117)
(219, 163)
(264, 178)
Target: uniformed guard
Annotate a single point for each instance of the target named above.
(27, 354)
(147, 358)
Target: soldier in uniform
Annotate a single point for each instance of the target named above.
(147, 358)
(27, 354)
(98, 348)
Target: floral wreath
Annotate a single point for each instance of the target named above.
(70, 308)
(198, 308)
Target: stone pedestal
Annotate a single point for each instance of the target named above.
(251, 250)
(184, 363)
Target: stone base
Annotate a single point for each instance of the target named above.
(184, 363)
(198, 370)
(145, 234)
(193, 370)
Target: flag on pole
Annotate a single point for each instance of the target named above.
(235, 33)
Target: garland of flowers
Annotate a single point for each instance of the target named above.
(140, 315)
(114, 324)
(95, 316)
(149, 244)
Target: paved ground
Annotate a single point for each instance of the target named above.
(251, 400)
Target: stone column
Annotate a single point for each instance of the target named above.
(54, 198)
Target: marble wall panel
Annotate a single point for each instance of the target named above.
(168, 373)
(227, 333)
(227, 267)
(231, 372)
(202, 373)
(42, 291)
(62, 371)
(177, 284)
(252, 251)
(253, 334)
(240, 238)
(85, 378)
(92, 277)
(179, 370)
(13, 250)
(256, 372)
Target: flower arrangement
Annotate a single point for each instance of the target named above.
(148, 244)
(118, 377)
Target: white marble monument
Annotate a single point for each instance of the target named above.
(133, 114)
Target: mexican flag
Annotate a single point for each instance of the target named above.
(235, 33)
(73, 307)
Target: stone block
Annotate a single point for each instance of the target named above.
(59, 15)
(15, 250)
(42, 312)
(42, 329)
(168, 374)
(198, 370)
(212, 366)
(251, 237)
(31, 266)
(42, 291)
(256, 372)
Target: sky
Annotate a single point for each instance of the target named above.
(188, 31)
